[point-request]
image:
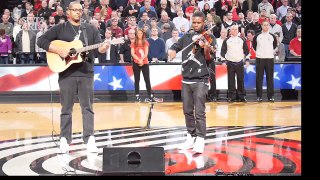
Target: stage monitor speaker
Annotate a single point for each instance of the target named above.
(289, 94)
(133, 161)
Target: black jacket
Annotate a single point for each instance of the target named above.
(194, 68)
(114, 55)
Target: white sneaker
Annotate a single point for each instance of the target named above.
(91, 145)
(188, 143)
(64, 146)
(199, 145)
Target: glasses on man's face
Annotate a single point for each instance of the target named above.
(77, 10)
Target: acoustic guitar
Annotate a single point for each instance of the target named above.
(57, 63)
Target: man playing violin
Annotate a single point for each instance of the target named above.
(195, 75)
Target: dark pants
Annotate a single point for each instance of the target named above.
(194, 99)
(146, 75)
(69, 88)
(261, 66)
(4, 59)
(235, 68)
(42, 57)
(212, 70)
(26, 58)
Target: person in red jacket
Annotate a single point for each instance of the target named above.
(250, 36)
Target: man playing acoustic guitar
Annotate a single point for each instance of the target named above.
(78, 78)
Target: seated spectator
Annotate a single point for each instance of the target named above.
(295, 44)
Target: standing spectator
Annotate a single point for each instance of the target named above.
(147, 8)
(265, 5)
(164, 7)
(289, 30)
(251, 5)
(229, 22)
(59, 15)
(236, 9)
(280, 52)
(295, 43)
(157, 50)
(139, 52)
(125, 49)
(282, 10)
(17, 28)
(145, 20)
(181, 21)
(104, 9)
(44, 11)
(131, 9)
(132, 24)
(274, 27)
(5, 47)
(190, 9)
(222, 7)
(25, 41)
(165, 19)
(203, 2)
(255, 25)
(28, 10)
(41, 53)
(115, 29)
(111, 55)
(234, 49)
(8, 14)
(170, 42)
(250, 36)
(265, 43)
(223, 36)
(6, 25)
(165, 32)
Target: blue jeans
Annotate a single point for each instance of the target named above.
(26, 58)
(4, 59)
(42, 58)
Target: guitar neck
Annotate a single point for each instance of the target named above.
(88, 48)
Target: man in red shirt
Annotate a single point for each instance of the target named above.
(295, 44)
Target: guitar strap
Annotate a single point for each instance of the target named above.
(85, 34)
(85, 39)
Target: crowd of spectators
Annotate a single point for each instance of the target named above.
(164, 21)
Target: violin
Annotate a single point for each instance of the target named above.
(204, 40)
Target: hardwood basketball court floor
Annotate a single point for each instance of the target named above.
(242, 138)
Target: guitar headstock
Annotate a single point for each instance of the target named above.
(115, 41)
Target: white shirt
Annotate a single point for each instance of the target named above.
(202, 3)
(219, 45)
(181, 21)
(265, 45)
(178, 57)
(25, 41)
(108, 52)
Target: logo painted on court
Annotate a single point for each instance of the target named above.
(229, 150)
